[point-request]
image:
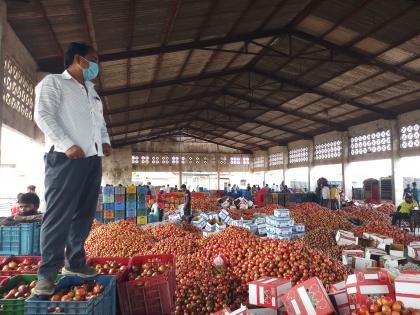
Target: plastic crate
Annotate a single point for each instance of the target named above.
(99, 216)
(145, 297)
(119, 198)
(19, 259)
(92, 261)
(108, 221)
(169, 274)
(142, 219)
(119, 214)
(22, 239)
(15, 306)
(103, 304)
(131, 213)
(118, 206)
(108, 214)
(152, 218)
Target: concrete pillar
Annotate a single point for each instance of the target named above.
(117, 168)
(397, 183)
(3, 21)
(345, 165)
(180, 171)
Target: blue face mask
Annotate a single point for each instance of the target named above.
(91, 72)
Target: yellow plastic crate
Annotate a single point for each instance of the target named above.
(108, 214)
(142, 219)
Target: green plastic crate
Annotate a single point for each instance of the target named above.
(14, 307)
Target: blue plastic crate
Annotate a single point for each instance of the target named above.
(119, 205)
(108, 206)
(20, 240)
(131, 213)
(152, 218)
(131, 197)
(142, 190)
(99, 216)
(103, 304)
(119, 214)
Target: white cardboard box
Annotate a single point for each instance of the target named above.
(407, 290)
(413, 250)
(360, 263)
(345, 238)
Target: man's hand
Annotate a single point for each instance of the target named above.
(106, 148)
(75, 152)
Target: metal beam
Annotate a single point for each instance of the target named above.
(158, 84)
(385, 113)
(189, 97)
(235, 129)
(169, 123)
(247, 119)
(212, 133)
(362, 58)
(138, 140)
(214, 142)
(156, 117)
(274, 107)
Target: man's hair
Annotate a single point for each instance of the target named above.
(183, 186)
(80, 49)
(414, 184)
(29, 198)
(19, 195)
(32, 187)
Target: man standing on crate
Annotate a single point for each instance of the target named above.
(187, 204)
(69, 112)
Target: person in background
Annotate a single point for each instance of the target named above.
(16, 208)
(285, 189)
(69, 112)
(273, 188)
(258, 188)
(31, 189)
(149, 190)
(325, 192)
(28, 210)
(415, 192)
(404, 209)
(277, 188)
(248, 187)
(254, 189)
(168, 189)
(187, 204)
(176, 188)
(334, 196)
(407, 190)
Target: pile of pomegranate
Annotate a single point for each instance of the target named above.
(20, 292)
(27, 265)
(385, 306)
(110, 268)
(148, 269)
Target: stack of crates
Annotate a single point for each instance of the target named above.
(131, 203)
(119, 202)
(99, 214)
(141, 205)
(108, 203)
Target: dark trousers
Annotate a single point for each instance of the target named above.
(71, 194)
(400, 216)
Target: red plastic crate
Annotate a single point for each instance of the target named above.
(92, 261)
(19, 259)
(149, 296)
(4, 280)
(159, 259)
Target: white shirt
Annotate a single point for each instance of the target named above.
(325, 192)
(69, 115)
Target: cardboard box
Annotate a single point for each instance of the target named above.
(308, 298)
(394, 262)
(210, 227)
(243, 310)
(338, 286)
(360, 263)
(282, 213)
(407, 289)
(228, 221)
(279, 222)
(365, 242)
(266, 292)
(223, 214)
(299, 228)
(340, 301)
(365, 287)
(374, 253)
(349, 254)
(209, 233)
(345, 238)
(251, 227)
(413, 250)
(262, 229)
(396, 250)
(382, 239)
(224, 311)
(262, 311)
(220, 226)
(199, 222)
